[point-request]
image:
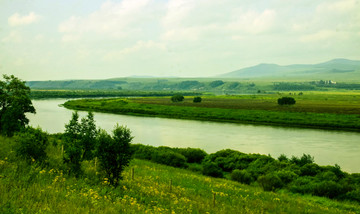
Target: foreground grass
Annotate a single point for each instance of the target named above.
(327, 111)
(154, 189)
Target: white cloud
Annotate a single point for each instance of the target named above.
(17, 20)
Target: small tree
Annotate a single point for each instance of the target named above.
(197, 100)
(177, 98)
(114, 152)
(80, 139)
(286, 101)
(72, 148)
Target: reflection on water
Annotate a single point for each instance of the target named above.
(328, 147)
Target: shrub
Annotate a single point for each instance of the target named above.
(216, 83)
(305, 159)
(286, 101)
(197, 100)
(192, 155)
(168, 157)
(31, 144)
(241, 176)
(270, 182)
(212, 169)
(177, 98)
(310, 169)
(287, 176)
(283, 157)
(143, 151)
(328, 189)
(114, 152)
(353, 195)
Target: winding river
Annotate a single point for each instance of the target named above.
(328, 147)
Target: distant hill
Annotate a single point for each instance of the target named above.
(333, 67)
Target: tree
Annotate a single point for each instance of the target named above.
(177, 98)
(114, 152)
(14, 103)
(80, 139)
(286, 101)
(72, 148)
(197, 100)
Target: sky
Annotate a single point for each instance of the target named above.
(82, 39)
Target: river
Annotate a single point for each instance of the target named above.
(328, 147)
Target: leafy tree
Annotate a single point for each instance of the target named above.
(286, 101)
(14, 103)
(88, 133)
(177, 98)
(72, 148)
(197, 100)
(31, 144)
(114, 152)
(80, 139)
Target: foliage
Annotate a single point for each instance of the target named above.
(168, 157)
(286, 101)
(14, 104)
(197, 100)
(192, 155)
(177, 98)
(270, 182)
(88, 133)
(114, 152)
(241, 176)
(72, 145)
(212, 169)
(31, 145)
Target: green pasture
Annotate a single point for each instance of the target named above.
(312, 109)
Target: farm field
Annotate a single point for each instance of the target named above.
(335, 110)
(154, 188)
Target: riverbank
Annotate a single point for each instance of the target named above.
(309, 112)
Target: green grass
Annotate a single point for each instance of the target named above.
(315, 110)
(32, 189)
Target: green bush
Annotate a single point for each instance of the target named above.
(270, 182)
(143, 151)
(329, 189)
(169, 157)
(287, 176)
(192, 155)
(241, 176)
(177, 98)
(31, 144)
(310, 169)
(286, 101)
(197, 100)
(212, 169)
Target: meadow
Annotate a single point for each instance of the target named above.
(326, 110)
(147, 187)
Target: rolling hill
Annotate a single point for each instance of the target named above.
(332, 68)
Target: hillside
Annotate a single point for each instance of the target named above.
(332, 68)
(154, 189)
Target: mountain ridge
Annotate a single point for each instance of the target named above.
(338, 65)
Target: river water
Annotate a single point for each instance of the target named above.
(328, 147)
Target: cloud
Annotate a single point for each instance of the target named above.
(18, 20)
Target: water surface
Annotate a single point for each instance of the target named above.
(328, 147)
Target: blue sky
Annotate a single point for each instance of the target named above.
(78, 39)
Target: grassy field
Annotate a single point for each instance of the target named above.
(155, 189)
(333, 110)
